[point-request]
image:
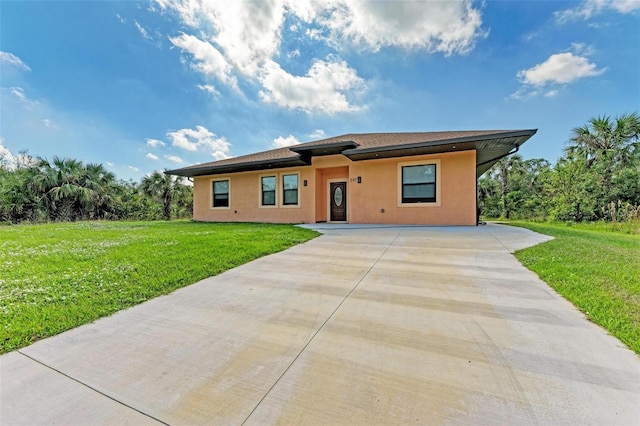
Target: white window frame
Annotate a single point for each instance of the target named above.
(438, 201)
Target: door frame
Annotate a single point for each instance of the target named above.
(346, 195)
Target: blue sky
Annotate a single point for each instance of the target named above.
(143, 86)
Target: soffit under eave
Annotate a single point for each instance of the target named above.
(490, 152)
(241, 167)
(387, 152)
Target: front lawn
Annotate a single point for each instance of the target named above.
(57, 276)
(598, 270)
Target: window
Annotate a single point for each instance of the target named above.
(290, 190)
(268, 190)
(419, 183)
(221, 193)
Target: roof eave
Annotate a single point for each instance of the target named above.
(506, 142)
(484, 163)
(240, 167)
(333, 146)
(451, 141)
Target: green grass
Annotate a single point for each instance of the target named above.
(595, 268)
(629, 227)
(57, 276)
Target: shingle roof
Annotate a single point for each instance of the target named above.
(362, 146)
(371, 140)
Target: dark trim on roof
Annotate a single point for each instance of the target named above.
(451, 141)
(490, 148)
(500, 157)
(324, 149)
(490, 152)
(408, 150)
(240, 167)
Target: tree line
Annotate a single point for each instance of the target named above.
(597, 178)
(34, 189)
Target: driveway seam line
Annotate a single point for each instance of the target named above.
(92, 388)
(500, 242)
(320, 328)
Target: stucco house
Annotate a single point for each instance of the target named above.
(424, 178)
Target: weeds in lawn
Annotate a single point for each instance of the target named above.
(57, 276)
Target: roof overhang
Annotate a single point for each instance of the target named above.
(324, 149)
(241, 167)
(489, 148)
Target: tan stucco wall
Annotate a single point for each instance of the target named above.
(380, 187)
(378, 190)
(245, 199)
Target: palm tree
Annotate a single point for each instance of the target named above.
(164, 188)
(18, 202)
(607, 143)
(103, 183)
(68, 192)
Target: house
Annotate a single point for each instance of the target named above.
(396, 178)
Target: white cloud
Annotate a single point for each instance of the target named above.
(154, 143)
(246, 32)
(559, 69)
(13, 60)
(11, 161)
(135, 169)
(321, 90)
(200, 139)
(625, 6)
(242, 39)
(19, 93)
(151, 156)
(7, 159)
(590, 8)
(142, 30)
(120, 18)
(447, 27)
(174, 158)
(317, 134)
(582, 49)
(209, 89)
(207, 59)
(281, 142)
(525, 92)
(109, 164)
(47, 122)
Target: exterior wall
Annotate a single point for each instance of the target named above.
(333, 167)
(379, 189)
(245, 196)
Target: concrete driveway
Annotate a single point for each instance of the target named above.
(404, 325)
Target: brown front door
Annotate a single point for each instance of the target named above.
(338, 200)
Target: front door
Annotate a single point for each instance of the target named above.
(338, 201)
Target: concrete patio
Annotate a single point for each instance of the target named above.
(364, 325)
